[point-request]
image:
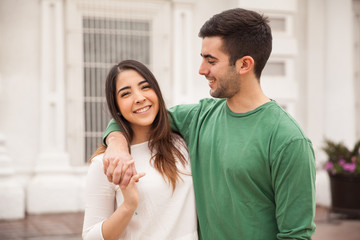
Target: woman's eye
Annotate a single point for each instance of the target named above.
(146, 87)
(124, 94)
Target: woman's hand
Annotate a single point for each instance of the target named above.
(130, 192)
(116, 224)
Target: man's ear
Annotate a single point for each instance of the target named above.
(244, 65)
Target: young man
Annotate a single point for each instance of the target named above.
(253, 168)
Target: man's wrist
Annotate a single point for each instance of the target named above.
(115, 137)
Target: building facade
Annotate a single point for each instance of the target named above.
(55, 54)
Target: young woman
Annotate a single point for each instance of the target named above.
(161, 205)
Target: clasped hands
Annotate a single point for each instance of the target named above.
(119, 169)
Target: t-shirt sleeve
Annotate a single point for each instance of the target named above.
(181, 117)
(111, 127)
(100, 197)
(293, 179)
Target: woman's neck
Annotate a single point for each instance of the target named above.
(141, 134)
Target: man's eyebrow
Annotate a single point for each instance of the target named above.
(207, 56)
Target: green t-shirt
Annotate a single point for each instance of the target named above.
(253, 173)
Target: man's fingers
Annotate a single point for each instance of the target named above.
(110, 170)
(126, 178)
(127, 165)
(116, 177)
(106, 164)
(119, 171)
(127, 173)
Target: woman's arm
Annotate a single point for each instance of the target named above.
(115, 225)
(102, 220)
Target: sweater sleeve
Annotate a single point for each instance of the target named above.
(100, 197)
(293, 179)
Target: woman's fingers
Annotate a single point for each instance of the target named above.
(136, 177)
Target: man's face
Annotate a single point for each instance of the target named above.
(224, 81)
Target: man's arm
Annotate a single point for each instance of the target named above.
(117, 153)
(293, 173)
(115, 157)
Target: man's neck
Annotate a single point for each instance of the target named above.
(247, 100)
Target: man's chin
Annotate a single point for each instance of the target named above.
(214, 94)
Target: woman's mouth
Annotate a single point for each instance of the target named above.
(141, 110)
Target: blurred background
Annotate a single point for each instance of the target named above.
(55, 54)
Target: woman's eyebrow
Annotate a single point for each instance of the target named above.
(122, 89)
(127, 87)
(142, 82)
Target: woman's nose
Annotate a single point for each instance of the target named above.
(140, 98)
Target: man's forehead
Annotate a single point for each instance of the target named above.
(212, 46)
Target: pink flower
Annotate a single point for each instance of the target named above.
(349, 167)
(353, 159)
(329, 166)
(342, 162)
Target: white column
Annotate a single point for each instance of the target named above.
(316, 80)
(12, 197)
(316, 93)
(330, 80)
(54, 187)
(183, 66)
(339, 69)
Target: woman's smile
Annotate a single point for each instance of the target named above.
(143, 109)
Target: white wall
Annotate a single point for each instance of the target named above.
(323, 72)
(19, 68)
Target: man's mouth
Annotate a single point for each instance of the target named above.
(210, 79)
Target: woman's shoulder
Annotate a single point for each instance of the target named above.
(97, 162)
(97, 158)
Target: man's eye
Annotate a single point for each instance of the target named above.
(211, 61)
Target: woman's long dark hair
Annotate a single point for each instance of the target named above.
(163, 141)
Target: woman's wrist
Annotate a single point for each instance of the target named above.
(129, 208)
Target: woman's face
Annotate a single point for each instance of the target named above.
(137, 101)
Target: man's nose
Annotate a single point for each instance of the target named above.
(203, 70)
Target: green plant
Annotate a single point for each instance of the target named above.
(340, 159)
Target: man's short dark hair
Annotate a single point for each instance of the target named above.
(244, 33)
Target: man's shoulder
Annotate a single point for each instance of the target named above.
(204, 104)
(284, 123)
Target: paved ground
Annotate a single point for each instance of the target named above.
(68, 226)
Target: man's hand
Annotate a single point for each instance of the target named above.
(115, 159)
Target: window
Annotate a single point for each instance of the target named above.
(273, 68)
(107, 41)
